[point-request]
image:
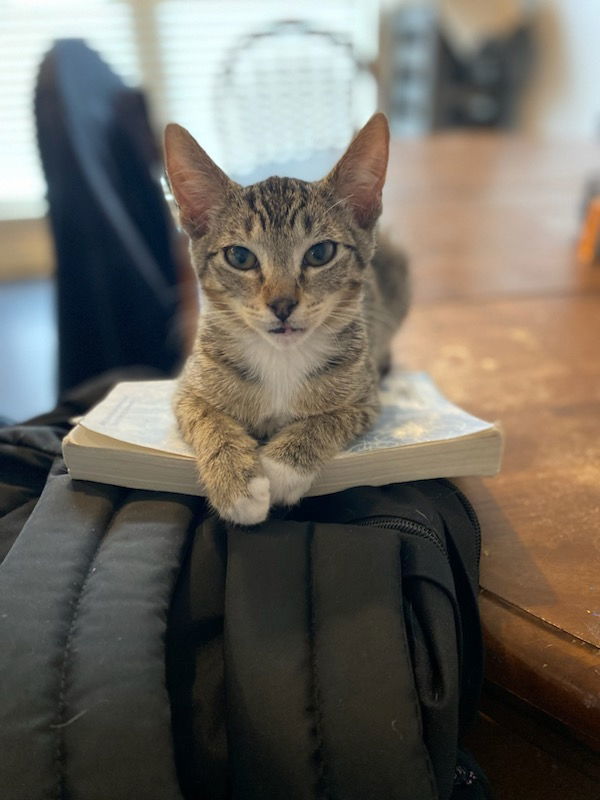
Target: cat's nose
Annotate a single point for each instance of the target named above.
(282, 307)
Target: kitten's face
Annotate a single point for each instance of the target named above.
(283, 257)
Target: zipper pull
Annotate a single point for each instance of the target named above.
(464, 776)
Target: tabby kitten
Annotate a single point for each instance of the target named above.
(296, 320)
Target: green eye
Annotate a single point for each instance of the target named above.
(240, 257)
(319, 254)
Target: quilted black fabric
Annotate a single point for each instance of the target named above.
(149, 651)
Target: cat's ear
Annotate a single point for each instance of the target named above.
(359, 175)
(197, 183)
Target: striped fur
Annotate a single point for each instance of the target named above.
(255, 404)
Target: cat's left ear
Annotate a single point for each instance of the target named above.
(199, 185)
(359, 175)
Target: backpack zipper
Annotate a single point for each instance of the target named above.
(463, 776)
(470, 512)
(404, 526)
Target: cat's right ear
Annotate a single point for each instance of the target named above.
(197, 183)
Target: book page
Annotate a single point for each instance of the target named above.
(139, 412)
(413, 412)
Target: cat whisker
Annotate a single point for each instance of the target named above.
(376, 316)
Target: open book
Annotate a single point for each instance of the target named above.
(130, 439)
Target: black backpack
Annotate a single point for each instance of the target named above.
(351, 650)
(331, 653)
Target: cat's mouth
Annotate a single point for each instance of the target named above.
(286, 330)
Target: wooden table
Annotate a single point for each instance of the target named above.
(509, 325)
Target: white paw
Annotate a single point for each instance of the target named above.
(287, 484)
(253, 508)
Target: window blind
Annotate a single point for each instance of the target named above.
(174, 49)
(27, 30)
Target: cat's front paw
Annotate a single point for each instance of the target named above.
(288, 485)
(251, 507)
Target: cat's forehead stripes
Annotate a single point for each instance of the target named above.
(280, 203)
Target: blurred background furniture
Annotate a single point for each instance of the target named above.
(119, 270)
(287, 101)
(428, 81)
(588, 246)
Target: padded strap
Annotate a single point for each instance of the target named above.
(316, 650)
(84, 594)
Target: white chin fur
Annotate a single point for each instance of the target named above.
(287, 484)
(252, 509)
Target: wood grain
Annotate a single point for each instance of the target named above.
(508, 324)
(483, 214)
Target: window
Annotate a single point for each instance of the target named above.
(175, 49)
(26, 32)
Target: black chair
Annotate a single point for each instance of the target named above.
(118, 266)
